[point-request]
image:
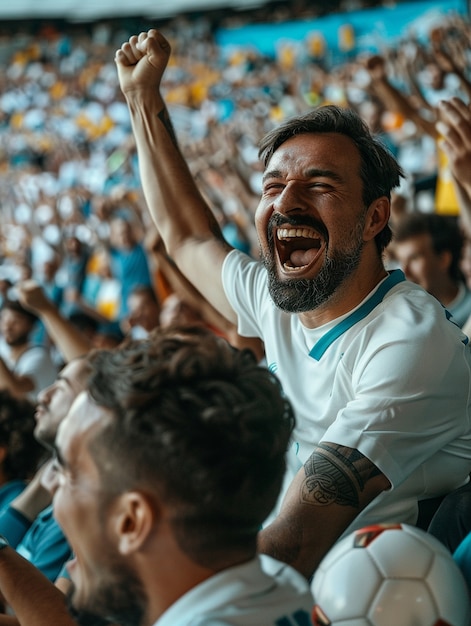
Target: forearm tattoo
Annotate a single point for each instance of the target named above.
(164, 117)
(335, 474)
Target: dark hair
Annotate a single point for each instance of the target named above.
(199, 423)
(379, 170)
(17, 426)
(444, 231)
(83, 321)
(15, 305)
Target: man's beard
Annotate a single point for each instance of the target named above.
(46, 428)
(301, 295)
(21, 340)
(118, 598)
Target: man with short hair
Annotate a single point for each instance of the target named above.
(143, 311)
(25, 368)
(166, 467)
(378, 376)
(128, 258)
(428, 247)
(28, 522)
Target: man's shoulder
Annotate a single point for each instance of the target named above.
(241, 272)
(36, 355)
(406, 316)
(411, 302)
(239, 260)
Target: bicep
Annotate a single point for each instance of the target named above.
(326, 495)
(336, 474)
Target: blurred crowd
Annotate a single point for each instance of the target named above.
(82, 265)
(73, 218)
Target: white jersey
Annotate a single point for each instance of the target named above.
(261, 592)
(391, 378)
(35, 362)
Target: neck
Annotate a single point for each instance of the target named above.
(168, 587)
(177, 575)
(348, 296)
(17, 351)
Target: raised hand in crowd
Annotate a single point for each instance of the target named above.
(69, 340)
(454, 126)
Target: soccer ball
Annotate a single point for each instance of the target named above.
(390, 575)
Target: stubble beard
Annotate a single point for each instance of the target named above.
(118, 598)
(18, 341)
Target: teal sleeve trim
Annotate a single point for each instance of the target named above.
(462, 556)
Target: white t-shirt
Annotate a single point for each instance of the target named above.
(392, 379)
(261, 592)
(35, 362)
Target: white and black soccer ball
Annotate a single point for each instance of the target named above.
(390, 575)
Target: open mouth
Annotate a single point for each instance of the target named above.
(298, 247)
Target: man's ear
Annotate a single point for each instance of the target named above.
(446, 259)
(377, 217)
(133, 517)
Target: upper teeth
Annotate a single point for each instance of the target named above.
(286, 233)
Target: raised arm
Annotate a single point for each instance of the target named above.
(439, 38)
(33, 598)
(68, 339)
(329, 491)
(392, 98)
(454, 126)
(188, 228)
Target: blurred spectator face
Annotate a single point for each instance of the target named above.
(176, 311)
(102, 207)
(20, 451)
(73, 246)
(103, 266)
(55, 401)
(420, 263)
(15, 327)
(121, 235)
(143, 311)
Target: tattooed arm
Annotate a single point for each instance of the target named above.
(185, 222)
(334, 485)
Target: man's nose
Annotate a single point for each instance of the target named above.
(44, 395)
(291, 200)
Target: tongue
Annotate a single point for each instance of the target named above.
(299, 258)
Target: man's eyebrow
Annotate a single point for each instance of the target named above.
(311, 173)
(271, 174)
(65, 379)
(316, 172)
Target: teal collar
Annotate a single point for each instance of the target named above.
(395, 277)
